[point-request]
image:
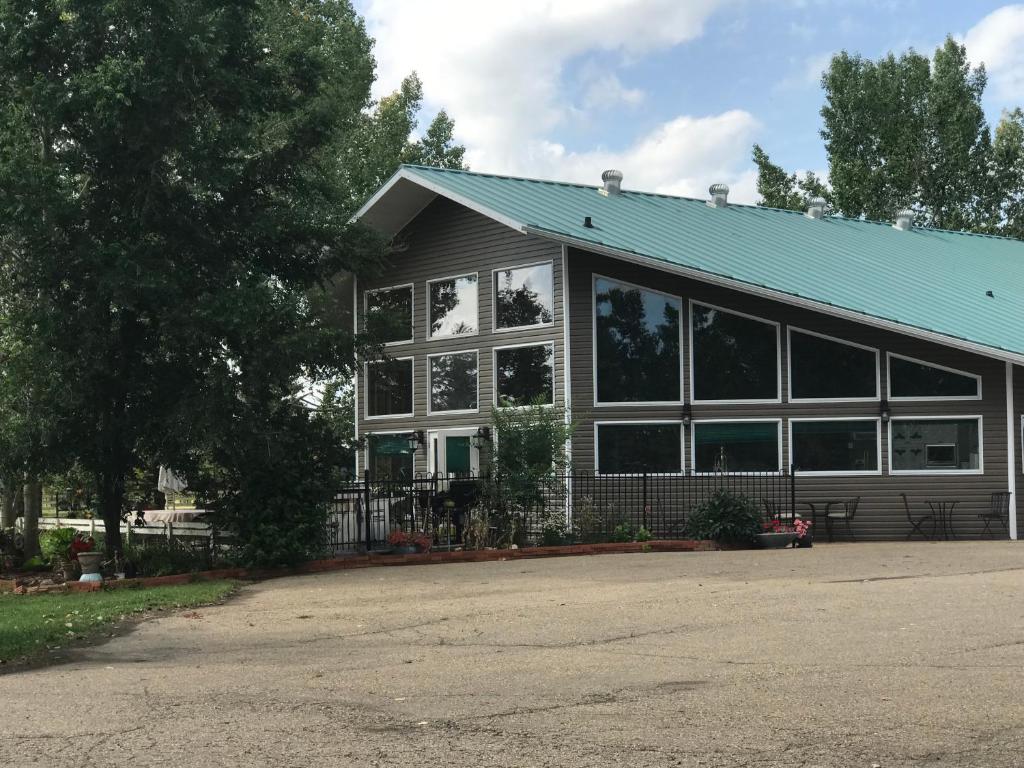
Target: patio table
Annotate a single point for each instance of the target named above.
(173, 515)
(826, 503)
(943, 511)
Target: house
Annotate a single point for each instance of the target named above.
(697, 336)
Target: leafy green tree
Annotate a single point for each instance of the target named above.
(1007, 206)
(781, 190)
(170, 194)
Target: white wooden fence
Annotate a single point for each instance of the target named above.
(191, 531)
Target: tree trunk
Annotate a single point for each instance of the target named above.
(33, 511)
(111, 487)
(7, 507)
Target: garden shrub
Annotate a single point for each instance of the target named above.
(55, 543)
(727, 517)
(163, 557)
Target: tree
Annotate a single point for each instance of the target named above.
(170, 194)
(1007, 208)
(781, 190)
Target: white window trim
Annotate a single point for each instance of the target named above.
(693, 444)
(778, 358)
(640, 422)
(494, 297)
(932, 398)
(593, 343)
(432, 336)
(494, 371)
(838, 472)
(942, 472)
(789, 369)
(366, 449)
(366, 379)
(430, 383)
(441, 432)
(412, 310)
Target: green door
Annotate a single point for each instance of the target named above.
(456, 454)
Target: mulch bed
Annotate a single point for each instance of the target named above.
(20, 586)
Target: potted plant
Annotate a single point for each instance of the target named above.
(403, 543)
(802, 528)
(776, 534)
(62, 546)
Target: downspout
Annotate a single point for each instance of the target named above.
(1011, 452)
(355, 374)
(566, 381)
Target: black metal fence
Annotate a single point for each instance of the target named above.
(573, 507)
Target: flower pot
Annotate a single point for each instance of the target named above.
(69, 569)
(90, 562)
(805, 541)
(410, 549)
(775, 540)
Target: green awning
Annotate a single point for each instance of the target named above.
(391, 445)
(736, 432)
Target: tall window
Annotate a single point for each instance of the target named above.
(913, 379)
(389, 314)
(828, 369)
(734, 357)
(935, 445)
(633, 449)
(390, 457)
(524, 296)
(525, 375)
(836, 446)
(736, 446)
(453, 306)
(453, 382)
(636, 344)
(389, 387)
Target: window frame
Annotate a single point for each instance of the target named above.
(412, 310)
(838, 472)
(366, 447)
(778, 359)
(751, 420)
(494, 297)
(931, 398)
(494, 371)
(430, 383)
(639, 422)
(789, 368)
(593, 344)
(366, 380)
(942, 472)
(431, 336)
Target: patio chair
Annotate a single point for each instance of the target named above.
(999, 511)
(917, 522)
(846, 516)
(777, 509)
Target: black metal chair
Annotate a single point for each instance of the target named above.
(917, 522)
(846, 516)
(999, 511)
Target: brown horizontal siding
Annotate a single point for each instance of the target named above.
(881, 513)
(446, 240)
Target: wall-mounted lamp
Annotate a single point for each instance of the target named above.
(416, 439)
(884, 412)
(687, 414)
(484, 433)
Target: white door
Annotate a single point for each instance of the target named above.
(453, 452)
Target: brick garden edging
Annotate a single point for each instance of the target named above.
(374, 560)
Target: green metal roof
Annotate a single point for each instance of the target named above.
(931, 280)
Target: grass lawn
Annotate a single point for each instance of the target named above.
(31, 624)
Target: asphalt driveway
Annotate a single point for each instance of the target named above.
(843, 655)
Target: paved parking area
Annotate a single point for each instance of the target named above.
(842, 655)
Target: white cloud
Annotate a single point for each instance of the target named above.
(499, 69)
(998, 41)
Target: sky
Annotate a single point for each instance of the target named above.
(671, 92)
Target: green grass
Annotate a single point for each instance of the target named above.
(32, 624)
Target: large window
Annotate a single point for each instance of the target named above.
(633, 449)
(453, 378)
(636, 344)
(935, 445)
(836, 446)
(821, 368)
(524, 296)
(736, 446)
(389, 314)
(452, 306)
(390, 456)
(734, 357)
(389, 387)
(525, 375)
(911, 379)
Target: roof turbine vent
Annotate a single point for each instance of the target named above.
(816, 208)
(904, 220)
(612, 183)
(719, 195)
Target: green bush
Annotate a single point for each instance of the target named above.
(54, 543)
(727, 517)
(161, 557)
